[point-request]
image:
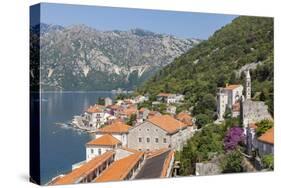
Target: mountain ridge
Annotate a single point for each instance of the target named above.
(79, 57)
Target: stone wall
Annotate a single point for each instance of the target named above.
(254, 111)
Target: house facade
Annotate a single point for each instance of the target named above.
(101, 145)
(96, 117)
(162, 131)
(117, 129)
(227, 97)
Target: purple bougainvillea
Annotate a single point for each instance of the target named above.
(234, 137)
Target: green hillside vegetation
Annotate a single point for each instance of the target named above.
(216, 61)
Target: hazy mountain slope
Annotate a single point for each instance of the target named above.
(82, 58)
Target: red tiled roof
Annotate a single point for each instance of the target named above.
(115, 127)
(164, 94)
(231, 87)
(84, 170)
(120, 169)
(105, 140)
(114, 107)
(167, 123)
(129, 111)
(185, 118)
(268, 136)
(95, 109)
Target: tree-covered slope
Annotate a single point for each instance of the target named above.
(247, 41)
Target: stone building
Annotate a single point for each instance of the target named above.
(254, 111)
(228, 97)
(161, 131)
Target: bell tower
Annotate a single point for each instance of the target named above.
(248, 85)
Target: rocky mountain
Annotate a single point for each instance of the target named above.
(82, 58)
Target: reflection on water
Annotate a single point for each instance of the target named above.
(61, 146)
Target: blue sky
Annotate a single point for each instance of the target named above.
(179, 24)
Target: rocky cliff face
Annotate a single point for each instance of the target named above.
(82, 58)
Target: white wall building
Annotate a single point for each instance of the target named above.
(107, 101)
(227, 97)
(101, 145)
(118, 130)
(95, 116)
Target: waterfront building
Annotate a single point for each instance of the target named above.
(96, 117)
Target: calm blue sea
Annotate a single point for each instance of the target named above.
(62, 146)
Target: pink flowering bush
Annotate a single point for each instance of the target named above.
(233, 138)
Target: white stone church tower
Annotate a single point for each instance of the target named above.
(248, 85)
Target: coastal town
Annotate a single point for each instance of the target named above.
(133, 140)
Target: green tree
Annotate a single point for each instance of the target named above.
(202, 119)
(232, 162)
(268, 161)
(263, 126)
(233, 79)
(101, 101)
(132, 120)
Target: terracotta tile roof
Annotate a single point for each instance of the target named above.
(114, 107)
(95, 109)
(231, 87)
(153, 113)
(167, 122)
(167, 164)
(84, 170)
(129, 150)
(164, 94)
(268, 136)
(185, 118)
(120, 169)
(115, 127)
(105, 140)
(129, 111)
